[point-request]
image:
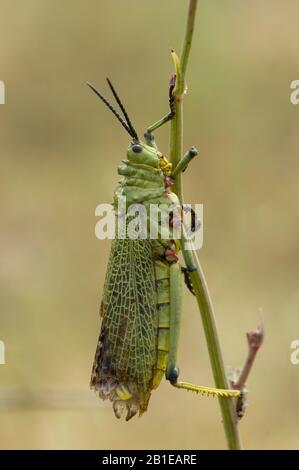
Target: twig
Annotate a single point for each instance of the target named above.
(198, 280)
(255, 340)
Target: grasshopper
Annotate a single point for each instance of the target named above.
(142, 299)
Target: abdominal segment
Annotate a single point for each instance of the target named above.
(163, 307)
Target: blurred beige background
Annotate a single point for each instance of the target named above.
(59, 153)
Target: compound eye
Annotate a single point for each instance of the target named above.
(136, 148)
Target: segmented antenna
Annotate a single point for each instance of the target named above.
(126, 124)
(134, 133)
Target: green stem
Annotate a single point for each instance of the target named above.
(176, 138)
(187, 41)
(227, 405)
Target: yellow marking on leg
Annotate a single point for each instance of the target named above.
(216, 392)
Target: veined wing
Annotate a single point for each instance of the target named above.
(127, 347)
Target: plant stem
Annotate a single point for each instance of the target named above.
(227, 405)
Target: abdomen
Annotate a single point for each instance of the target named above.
(163, 309)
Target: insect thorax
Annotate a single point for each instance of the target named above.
(146, 176)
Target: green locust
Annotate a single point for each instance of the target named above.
(142, 299)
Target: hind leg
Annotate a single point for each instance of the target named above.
(172, 372)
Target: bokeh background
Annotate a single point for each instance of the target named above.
(59, 153)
